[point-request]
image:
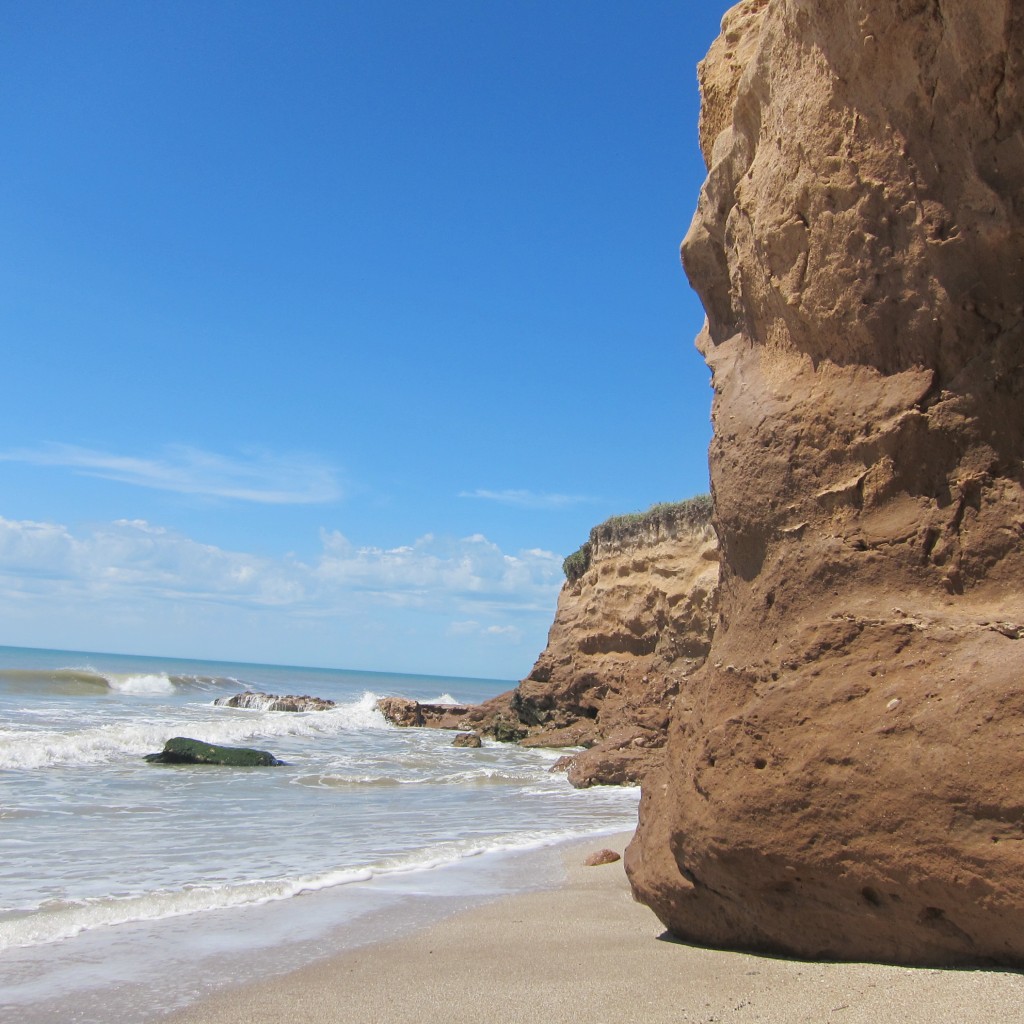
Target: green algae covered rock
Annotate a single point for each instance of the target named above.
(182, 750)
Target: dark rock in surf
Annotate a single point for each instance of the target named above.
(272, 702)
(467, 739)
(183, 750)
(505, 731)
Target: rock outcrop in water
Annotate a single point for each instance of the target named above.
(844, 777)
(634, 618)
(184, 750)
(256, 701)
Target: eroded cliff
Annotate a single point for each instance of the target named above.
(634, 619)
(633, 622)
(843, 777)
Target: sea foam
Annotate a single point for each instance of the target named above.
(145, 684)
(56, 920)
(41, 748)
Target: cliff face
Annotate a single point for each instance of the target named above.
(634, 619)
(627, 632)
(843, 777)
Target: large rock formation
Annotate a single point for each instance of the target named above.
(633, 621)
(844, 777)
(634, 618)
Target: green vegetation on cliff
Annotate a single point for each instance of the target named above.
(693, 512)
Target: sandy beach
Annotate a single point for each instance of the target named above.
(587, 952)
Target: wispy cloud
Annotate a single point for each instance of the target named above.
(468, 571)
(450, 576)
(527, 499)
(435, 604)
(130, 556)
(472, 628)
(263, 477)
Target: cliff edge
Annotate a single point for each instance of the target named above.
(843, 777)
(634, 619)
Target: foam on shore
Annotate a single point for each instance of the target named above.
(587, 952)
(166, 963)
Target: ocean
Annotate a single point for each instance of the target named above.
(129, 889)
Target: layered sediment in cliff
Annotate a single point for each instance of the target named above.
(843, 777)
(634, 619)
(632, 623)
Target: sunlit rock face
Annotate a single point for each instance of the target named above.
(843, 778)
(627, 634)
(634, 619)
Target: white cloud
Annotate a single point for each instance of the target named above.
(467, 570)
(38, 549)
(136, 557)
(527, 499)
(263, 477)
(443, 605)
(133, 556)
(472, 628)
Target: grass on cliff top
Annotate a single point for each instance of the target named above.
(692, 512)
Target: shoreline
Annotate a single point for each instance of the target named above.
(586, 951)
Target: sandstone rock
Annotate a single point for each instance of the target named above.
(600, 857)
(632, 622)
(272, 702)
(623, 758)
(578, 734)
(627, 631)
(492, 718)
(401, 711)
(859, 249)
(562, 764)
(183, 750)
(467, 739)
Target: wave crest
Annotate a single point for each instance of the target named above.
(85, 681)
(42, 748)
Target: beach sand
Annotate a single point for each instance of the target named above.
(587, 952)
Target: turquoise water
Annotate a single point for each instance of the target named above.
(127, 888)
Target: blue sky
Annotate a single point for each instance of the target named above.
(331, 328)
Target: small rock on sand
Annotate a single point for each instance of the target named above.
(599, 857)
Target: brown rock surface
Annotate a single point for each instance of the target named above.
(631, 624)
(601, 857)
(626, 634)
(493, 718)
(401, 711)
(844, 777)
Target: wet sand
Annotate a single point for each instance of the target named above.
(586, 952)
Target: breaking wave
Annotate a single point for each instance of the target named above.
(41, 748)
(87, 681)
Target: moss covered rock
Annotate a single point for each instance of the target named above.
(182, 750)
